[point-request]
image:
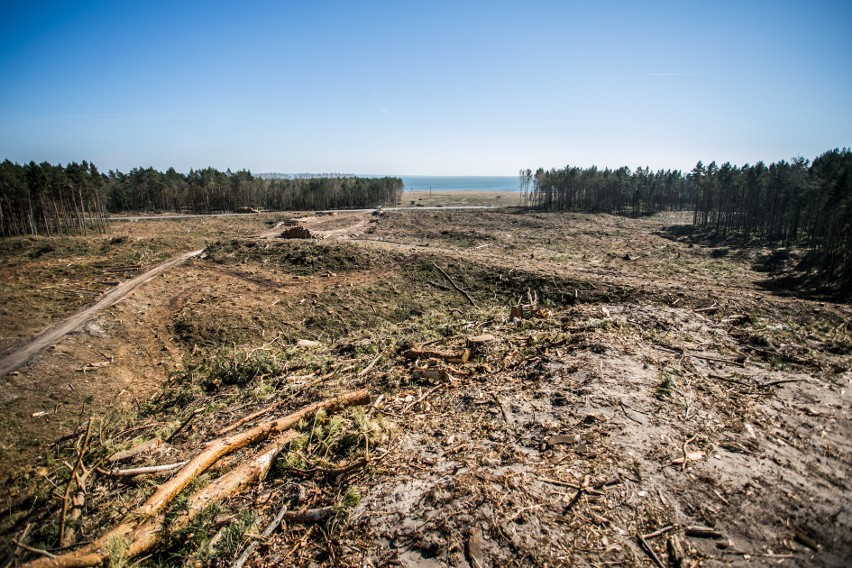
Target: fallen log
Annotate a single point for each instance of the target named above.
(144, 537)
(137, 525)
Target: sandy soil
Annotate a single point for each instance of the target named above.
(450, 198)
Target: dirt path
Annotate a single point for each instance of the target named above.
(343, 225)
(21, 355)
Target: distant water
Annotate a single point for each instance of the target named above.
(461, 183)
(423, 183)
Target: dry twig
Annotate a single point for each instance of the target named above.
(270, 528)
(685, 455)
(144, 470)
(459, 290)
(74, 478)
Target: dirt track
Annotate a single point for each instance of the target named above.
(20, 355)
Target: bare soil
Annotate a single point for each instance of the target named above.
(657, 384)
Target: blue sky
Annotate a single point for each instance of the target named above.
(410, 87)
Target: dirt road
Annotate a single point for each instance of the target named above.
(21, 355)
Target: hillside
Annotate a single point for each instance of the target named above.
(544, 389)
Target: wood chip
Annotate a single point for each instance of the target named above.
(559, 439)
(703, 532)
(691, 456)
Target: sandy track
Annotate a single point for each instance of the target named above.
(19, 356)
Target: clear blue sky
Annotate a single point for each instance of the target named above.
(431, 87)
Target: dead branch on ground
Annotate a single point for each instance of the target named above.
(132, 472)
(140, 527)
(459, 290)
(73, 477)
(270, 528)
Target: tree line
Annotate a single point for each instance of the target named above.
(47, 199)
(55, 199)
(619, 191)
(795, 203)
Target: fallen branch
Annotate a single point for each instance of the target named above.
(781, 382)
(729, 380)
(506, 414)
(657, 533)
(250, 417)
(419, 400)
(439, 286)
(624, 410)
(184, 424)
(140, 527)
(136, 450)
(643, 544)
(33, 549)
(366, 369)
(144, 470)
(715, 359)
(270, 528)
(71, 479)
(712, 308)
(459, 290)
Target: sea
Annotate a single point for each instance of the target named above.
(461, 183)
(425, 183)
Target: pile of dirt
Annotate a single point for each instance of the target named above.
(298, 232)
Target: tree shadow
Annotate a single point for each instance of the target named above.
(790, 272)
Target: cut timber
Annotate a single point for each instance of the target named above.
(481, 344)
(520, 312)
(456, 358)
(675, 549)
(95, 553)
(147, 534)
(477, 340)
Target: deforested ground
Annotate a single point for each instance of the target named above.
(546, 390)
